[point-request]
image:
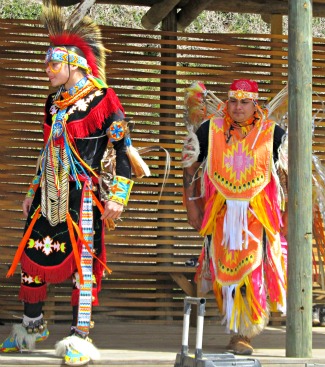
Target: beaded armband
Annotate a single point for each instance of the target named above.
(120, 189)
(33, 187)
(117, 130)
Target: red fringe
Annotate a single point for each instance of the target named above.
(31, 294)
(49, 274)
(75, 297)
(46, 132)
(94, 120)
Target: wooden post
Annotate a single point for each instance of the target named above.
(168, 84)
(276, 24)
(276, 28)
(299, 313)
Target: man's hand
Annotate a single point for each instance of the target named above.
(113, 210)
(27, 203)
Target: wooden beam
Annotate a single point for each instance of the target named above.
(184, 283)
(266, 18)
(157, 13)
(276, 21)
(299, 297)
(190, 12)
(276, 24)
(80, 11)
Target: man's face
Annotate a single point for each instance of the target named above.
(240, 110)
(57, 72)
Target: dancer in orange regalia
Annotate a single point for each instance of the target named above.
(240, 212)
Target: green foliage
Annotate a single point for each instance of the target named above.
(130, 17)
(218, 22)
(118, 15)
(318, 27)
(20, 9)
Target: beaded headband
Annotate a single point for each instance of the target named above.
(59, 54)
(242, 94)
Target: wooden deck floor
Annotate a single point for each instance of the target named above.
(146, 344)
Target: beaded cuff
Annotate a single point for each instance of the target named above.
(120, 190)
(33, 187)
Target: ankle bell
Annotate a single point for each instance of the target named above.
(34, 325)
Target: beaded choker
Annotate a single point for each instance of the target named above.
(69, 100)
(73, 90)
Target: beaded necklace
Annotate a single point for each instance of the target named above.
(69, 100)
(73, 90)
(70, 96)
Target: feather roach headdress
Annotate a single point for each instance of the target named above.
(77, 30)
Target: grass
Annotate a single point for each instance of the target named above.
(130, 17)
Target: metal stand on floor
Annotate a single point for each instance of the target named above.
(183, 359)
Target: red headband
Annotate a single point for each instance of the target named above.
(243, 88)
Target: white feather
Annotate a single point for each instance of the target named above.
(23, 339)
(80, 345)
(140, 163)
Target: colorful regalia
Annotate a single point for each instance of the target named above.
(68, 178)
(244, 254)
(64, 232)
